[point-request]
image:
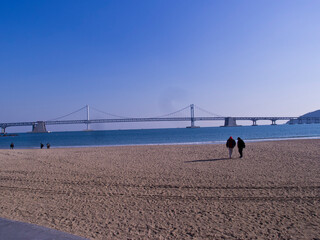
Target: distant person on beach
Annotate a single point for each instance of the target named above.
(41, 145)
(231, 143)
(48, 145)
(12, 145)
(241, 146)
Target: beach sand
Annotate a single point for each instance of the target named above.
(167, 192)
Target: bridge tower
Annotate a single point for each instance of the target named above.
(192, 117)
(88, 117)
(192, 114)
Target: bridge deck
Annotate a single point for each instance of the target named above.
(178, 119)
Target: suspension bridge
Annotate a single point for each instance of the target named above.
(40, 126)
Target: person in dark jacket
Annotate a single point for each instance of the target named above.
(12, 145)
(231, 143)
(41, 145)
(241, 146)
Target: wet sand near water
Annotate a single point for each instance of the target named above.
(167, 192)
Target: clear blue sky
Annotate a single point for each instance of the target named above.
(149, 58)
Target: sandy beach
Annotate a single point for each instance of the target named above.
(167, 192)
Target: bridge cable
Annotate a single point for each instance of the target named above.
(107, 113)
(210, 113)
(68, 114)
(166, 115)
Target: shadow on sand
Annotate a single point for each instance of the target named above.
(209, 160)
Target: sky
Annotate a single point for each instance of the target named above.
(137, 58)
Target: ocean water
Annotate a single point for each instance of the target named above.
(161, 136)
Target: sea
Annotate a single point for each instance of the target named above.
(203, 135)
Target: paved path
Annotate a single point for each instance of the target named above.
(13, 230)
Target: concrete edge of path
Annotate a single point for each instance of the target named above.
(14, 230)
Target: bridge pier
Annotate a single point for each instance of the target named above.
(39, 127)
(230, 122)
(3, 130)
(273, 122)
(254, 122)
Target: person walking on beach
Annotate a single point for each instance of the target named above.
(41, 145)
(231, 143)
(241, 146)
(12, 145)
(48, 145)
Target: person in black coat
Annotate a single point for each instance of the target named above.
(241, 146)
(230, 144)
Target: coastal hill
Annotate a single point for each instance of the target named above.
(307, 115)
